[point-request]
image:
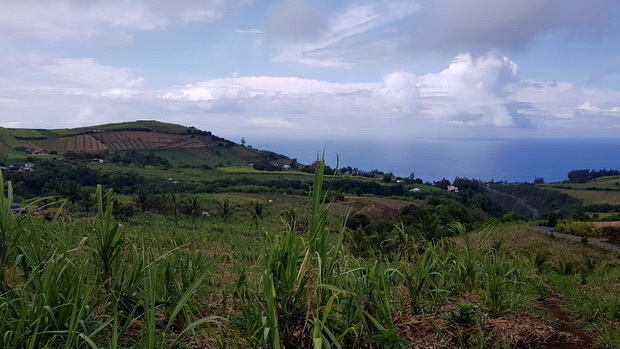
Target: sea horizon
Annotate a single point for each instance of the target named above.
(516, 160)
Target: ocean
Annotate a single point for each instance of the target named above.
(484, 159)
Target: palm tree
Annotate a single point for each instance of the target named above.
(72, 190)
(87, 199)
(430, 227)
(257, 213)
(193, 207)
(225, 209)
(143, 199)
(174, 205)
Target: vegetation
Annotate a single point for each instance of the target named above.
(256, 259)
(583, 176)
(158, 285)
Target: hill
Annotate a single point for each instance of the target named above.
(141, 135)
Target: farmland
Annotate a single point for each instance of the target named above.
(294, 276)
(196, 248)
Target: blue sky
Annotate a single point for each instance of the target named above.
(387, 69)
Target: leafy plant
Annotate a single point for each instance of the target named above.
(388, 339)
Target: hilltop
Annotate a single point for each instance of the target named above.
(169, 140)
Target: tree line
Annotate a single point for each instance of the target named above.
(583, 176)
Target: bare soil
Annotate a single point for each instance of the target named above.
(377, 209)
(557, 329)
(568, 323)
(121, 140)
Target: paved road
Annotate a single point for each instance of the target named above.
(604, 245)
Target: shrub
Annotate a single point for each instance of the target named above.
(613, 234)
(583, 229)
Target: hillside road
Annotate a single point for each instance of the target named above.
(549, 231)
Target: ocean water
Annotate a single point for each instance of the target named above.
(431, 160)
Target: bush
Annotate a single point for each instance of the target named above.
(576, 228)
(612, 233)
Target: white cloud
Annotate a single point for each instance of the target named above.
(87, 72)
(79, 20)
(589, 107)
(249, 31)
(270, 122)
(336, 41)
(476, 91)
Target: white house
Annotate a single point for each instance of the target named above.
(453, 188)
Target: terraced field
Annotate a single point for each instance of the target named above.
(120, 140)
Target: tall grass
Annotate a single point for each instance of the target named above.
(98, 283)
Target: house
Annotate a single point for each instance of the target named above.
(414, 190)
(34, 151)
(172, 180)
(97, 161)
(400, 181)
(286, 167)
(27, 167)
(453, 188)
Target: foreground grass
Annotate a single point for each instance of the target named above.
(151, 283)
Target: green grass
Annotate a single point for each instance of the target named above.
(593, 196)
(608, 182)
(152, 282)
(250, 170)
(154, 126)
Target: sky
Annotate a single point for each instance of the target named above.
(293, 69)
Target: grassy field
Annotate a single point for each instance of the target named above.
(603, 190)
(608, 182)
(594, 196)
(286, 274)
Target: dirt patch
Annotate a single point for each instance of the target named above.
(515, 330)
(120, 140)
(599, 225)
(377, 209)
(147, 140)
(566, 322)
(558, 328)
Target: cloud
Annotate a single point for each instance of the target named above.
(86, 72)
(338, 39)
(483, 91)
(371, 32)
(249, 31)
(589, 107)
(270, 122)
(471, 91)
(295, 20)
(483, 25)
(80, 20)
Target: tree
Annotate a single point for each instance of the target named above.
(193, 207)
(388, 177)
(430, 227)
(443, 183)
(257, 214)
(539, 180)
(225, 209)
(243, 141)
(87, 199)
(174, 204)
(72, 190)
(143, 199)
